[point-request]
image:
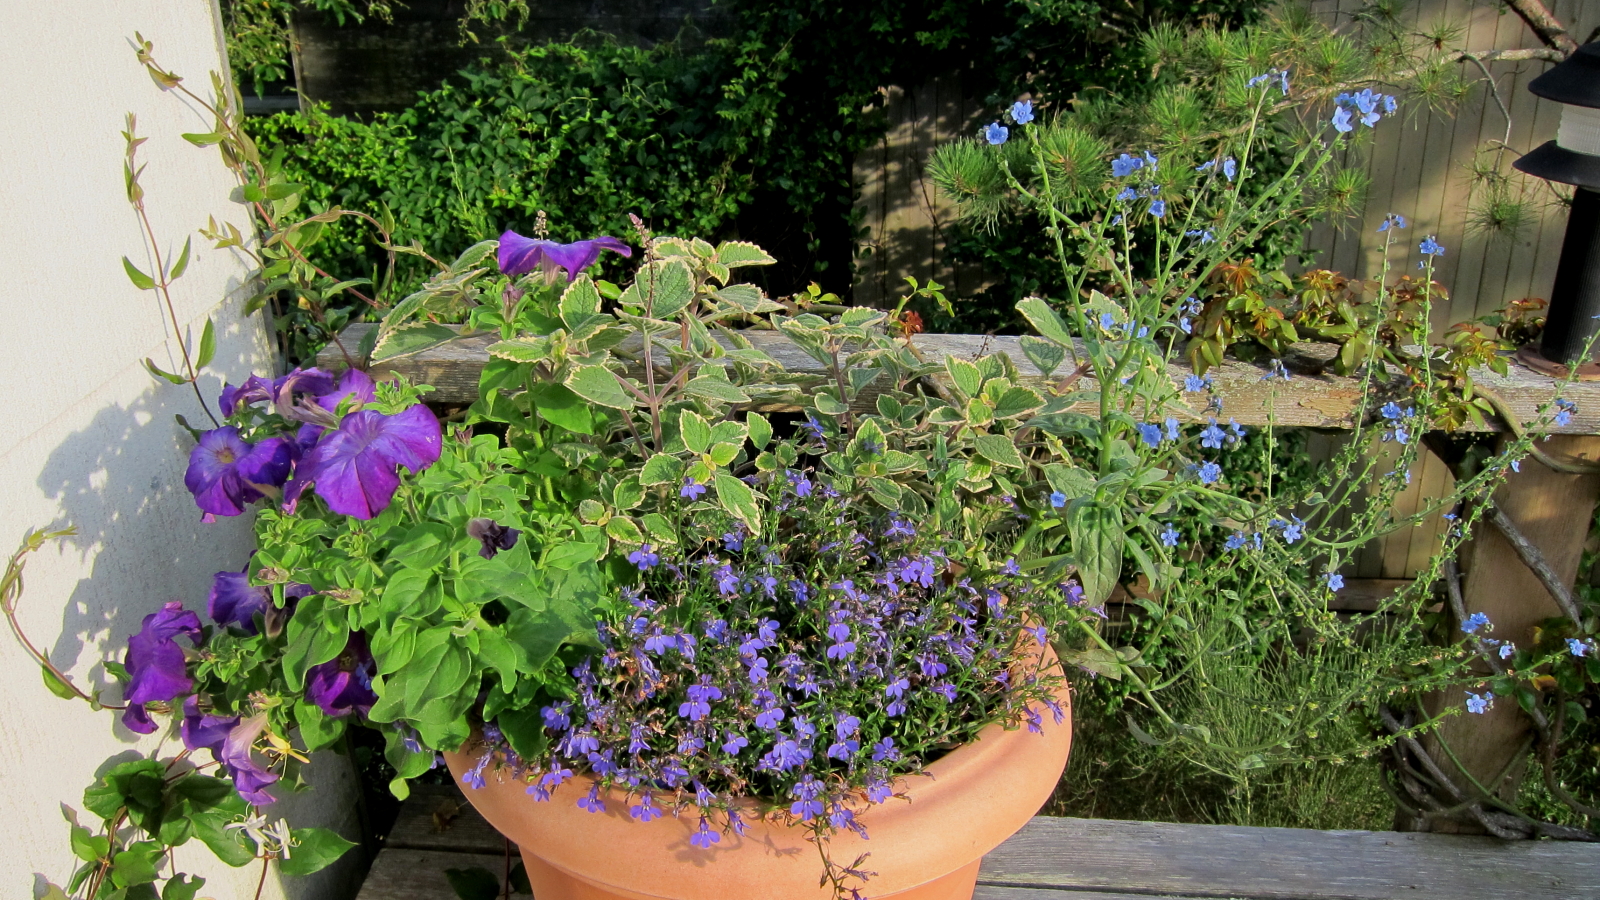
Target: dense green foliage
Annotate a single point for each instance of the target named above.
(750, 135)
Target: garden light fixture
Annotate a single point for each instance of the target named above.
(1572, 158)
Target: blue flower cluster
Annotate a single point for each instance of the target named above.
(811, 664)
(1366, 104)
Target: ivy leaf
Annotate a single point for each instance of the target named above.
(998, 449)
(87, 845)
(314, 850)
(597, 384)
(182, 887)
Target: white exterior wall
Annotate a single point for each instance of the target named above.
(89, 437)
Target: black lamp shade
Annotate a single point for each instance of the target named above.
(1553, 162)
(1575, 81)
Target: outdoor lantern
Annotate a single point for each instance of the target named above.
(1572, 158)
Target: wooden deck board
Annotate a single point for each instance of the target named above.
(1314, 401)
(1093, 859)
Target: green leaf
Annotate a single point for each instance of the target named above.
(738, 499)
(597, 384)
(55, 685)
(87, 845)
(1045, 321)
(659, 528)
(140, 280)
(968, 380)
(208, 345)
(522, 350)
(559, 406)
(627, 493)
(524, 728)
(412, 338)
(1017, 401)
(182, 887)
(203, 139)
(662, 289)
(182, 263)
(580, 305)
(136, 865)
(473, 884)
(742, 253)
(662, 469)
(722, 454)
(624, 529)
(696, 433)
(317, 729)
(1045, 355)
(570, 553)
(760, 430)
(829, 405)
(714, 385)
(424, 546)
(1071, 481)
(281, 190)
(159, 372)
(1097, 539)
(998, 449)
(314, 850)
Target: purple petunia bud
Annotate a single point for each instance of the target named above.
(494, 536)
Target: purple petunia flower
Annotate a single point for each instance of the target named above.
(353, 467)
(344, 683)
(494, 536)
(235, 601)
(519, 255)
(225, 472)
(155, 663)
(236, 758)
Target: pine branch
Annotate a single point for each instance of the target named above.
(1546, 26)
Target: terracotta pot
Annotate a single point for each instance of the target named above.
(929, 848)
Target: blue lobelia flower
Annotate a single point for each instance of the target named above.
(1259, 79)
(225, 472)
(1126, 165)
(1170, 536)
(1205, 235)
(1212, 436)
(354, 466)
(157, 668)
(996, 134)
(1126, 194)
(1193, 383)
(1478, 705)
(1392, 220)
(1333, 580)
(1172, 429)
(1236, 540)
(1391, 411)
(1564, 410)
(1476, 621)
(1158, 208)
(1507, 649)
(704, 837)
(1209, 473)
(1058, 499)
(1431, 247)
(519, 255)
(692, 490)
(1341, 121)
(1150, 434)
(1022, 112)
(1150, 160)
(1578, 648)
(644, 557)
(1230, 168)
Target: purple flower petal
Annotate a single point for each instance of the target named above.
(157, 671)
(249, 779)
(225, 472)
(205, 732)
(353, 383)
(494, 536)
(344, 684)
(353, 467)
(519, 255)
(235, 601)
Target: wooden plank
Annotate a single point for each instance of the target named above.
(438, 817)
(1013, 892)
(1218, 861)
(420, 874)
(1310, 401)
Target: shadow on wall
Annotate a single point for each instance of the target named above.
(119, 482)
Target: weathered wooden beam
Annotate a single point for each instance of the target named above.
(1553, 511)
(1306, 400)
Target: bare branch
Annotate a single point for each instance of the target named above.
(1535, 561)
(1546, 26)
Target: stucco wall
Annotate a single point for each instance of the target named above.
(89, 438)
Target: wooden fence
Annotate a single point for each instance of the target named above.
(1419, 167)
